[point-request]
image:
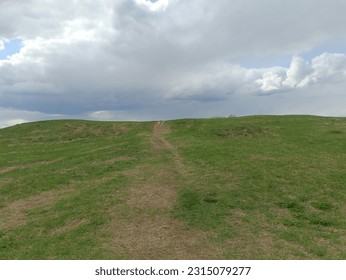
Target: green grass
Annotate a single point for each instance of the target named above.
(261, 187)
(285, 175)
(72, 156)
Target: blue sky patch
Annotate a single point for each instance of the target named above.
(266, 61)
(336, 46)
(11, 47)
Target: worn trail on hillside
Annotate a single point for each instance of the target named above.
(159, 142)
(145, 228)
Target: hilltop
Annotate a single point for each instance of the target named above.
(261, 187)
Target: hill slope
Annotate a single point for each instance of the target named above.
(236, 188)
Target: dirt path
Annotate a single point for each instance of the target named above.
(159, 142)
(158, 190)
(145, 228)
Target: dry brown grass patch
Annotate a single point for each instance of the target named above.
(158, 237)
(158, 191)
(7, 169)
(71, 225)
(14, 214)
(5, 181)
(117, 159)
(4, 170)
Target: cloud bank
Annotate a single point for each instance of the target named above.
(138, 59)
(323, 69)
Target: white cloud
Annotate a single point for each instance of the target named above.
(271, 80)
(297, 74)
(2, 45)
(329, 68)
(154, 6)
(324, 69)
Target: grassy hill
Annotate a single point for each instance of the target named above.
(262, 187)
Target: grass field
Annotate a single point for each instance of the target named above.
(262, 187)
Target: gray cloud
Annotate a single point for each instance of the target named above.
(132, 57)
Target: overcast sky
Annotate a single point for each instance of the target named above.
(165, 59)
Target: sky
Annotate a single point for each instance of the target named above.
(168, 59)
